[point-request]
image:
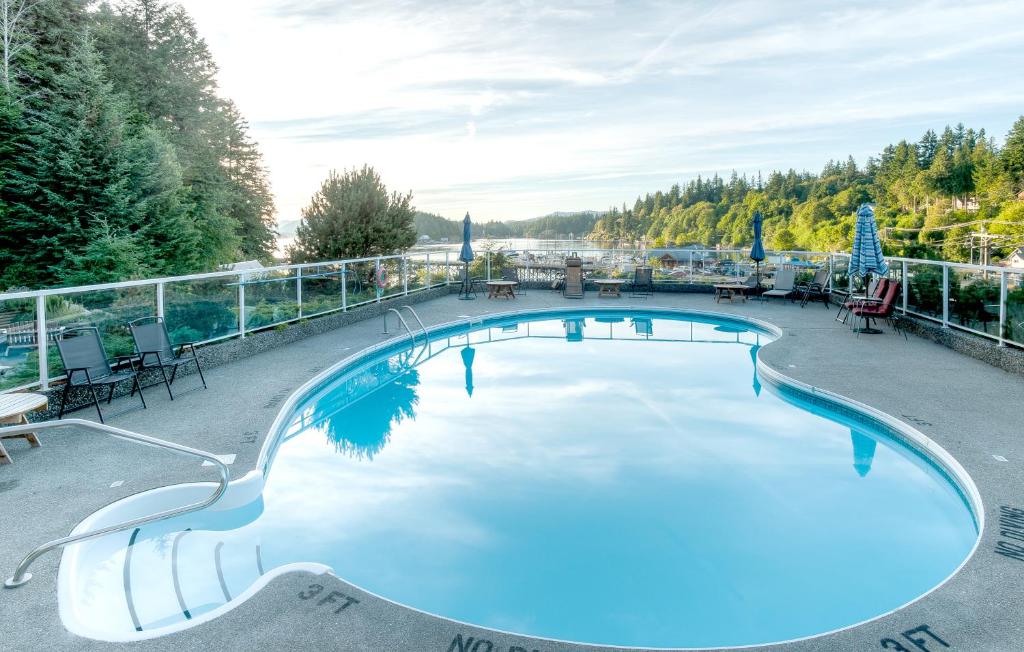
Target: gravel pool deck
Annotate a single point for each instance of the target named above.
(973, 410)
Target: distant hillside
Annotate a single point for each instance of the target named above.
(549, 227)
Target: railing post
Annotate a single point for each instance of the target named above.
(42, 343)
(241, 306)
(298, 289)
(945, 295)
(429, 281)
(488, 256)
(1002, 308)
(160, 300)
(405, 275)
(376, 275)
(344, 287)
(447, 270)
(906, 287)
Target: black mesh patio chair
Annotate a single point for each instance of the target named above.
(154, 350)
(818, 288)
(87, 365)
(512, 274)
(643, 282)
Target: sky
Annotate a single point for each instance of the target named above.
(511, 110)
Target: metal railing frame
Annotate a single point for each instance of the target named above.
(298, 273)
(21, 574)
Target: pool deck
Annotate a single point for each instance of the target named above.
(973, 410)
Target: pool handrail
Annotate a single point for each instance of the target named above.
(21, 576)
(412, 335)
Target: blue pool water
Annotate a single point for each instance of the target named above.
(619, 479)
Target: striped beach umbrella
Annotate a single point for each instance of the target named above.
(866, 257)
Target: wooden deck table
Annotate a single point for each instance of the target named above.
(501, 289)
(609, 287)
(730, 290)
(13, 408)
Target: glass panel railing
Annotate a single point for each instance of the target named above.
(360, 282)
(201, 310)
(924, 287)
(416, 270)
(840, 272)
(393, 282)
(321, 289)
(974, 300)
(270, 298)
(19, 354)
(1013, 331)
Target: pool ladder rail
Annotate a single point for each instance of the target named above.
(412, 335)
(21, 574)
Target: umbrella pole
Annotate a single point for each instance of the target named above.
(464, 293)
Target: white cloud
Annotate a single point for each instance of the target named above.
(512, 110)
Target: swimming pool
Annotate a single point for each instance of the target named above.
(609, 477)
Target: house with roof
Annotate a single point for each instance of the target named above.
(1015, 259)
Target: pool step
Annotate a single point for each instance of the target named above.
(179, 576)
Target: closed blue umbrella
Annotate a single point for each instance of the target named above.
(757, 251)
(753, 358)
(466, 256)
(863, 452)
(866, 258)
(468, 354)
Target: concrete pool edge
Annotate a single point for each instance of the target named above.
(923, 445)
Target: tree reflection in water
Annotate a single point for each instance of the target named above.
(387, 396)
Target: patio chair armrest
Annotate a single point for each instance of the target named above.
(119, 360)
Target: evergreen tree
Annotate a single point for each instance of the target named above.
(1012, 155)
(352, 215)
(84, 168)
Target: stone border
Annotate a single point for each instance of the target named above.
(1008, 358)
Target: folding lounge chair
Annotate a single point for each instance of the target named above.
(818, 288)
(643, 282)
(876, 289)
(86, 365)
(783, 288)
(869, 309)
(573, 286)
(153, 346)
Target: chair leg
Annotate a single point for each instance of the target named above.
(63, 399)
(199, 368)
(95, 401)
(138, 386)
(110, 395)
(167, 383)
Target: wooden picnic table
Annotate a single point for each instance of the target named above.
(609, 287)
(502, 289)
(730, 290)
(13, 408)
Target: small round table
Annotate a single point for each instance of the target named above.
(13, 408)
(502, 289)
(609, 287)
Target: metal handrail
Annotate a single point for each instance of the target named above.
(417, 318)
(21, 576)
(412, 335)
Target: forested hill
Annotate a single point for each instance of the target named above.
(553, 226)
(118, 157)
(922, 189)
